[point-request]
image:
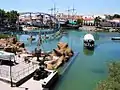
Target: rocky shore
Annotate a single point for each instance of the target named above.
(12, 45)
(54, 59)
(99, 29)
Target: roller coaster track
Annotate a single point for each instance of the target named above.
(56, 29)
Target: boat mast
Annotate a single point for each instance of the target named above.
(53, 13)
(73, 10)
(51, 10)
(54, 9)
(68, 13)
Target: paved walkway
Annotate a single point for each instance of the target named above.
(30, 84)
(88, 28)
(19, 71)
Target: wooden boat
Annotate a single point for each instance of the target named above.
(31, 39)
(69, 25)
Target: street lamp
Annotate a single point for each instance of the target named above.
(11, 73)
(38, 50)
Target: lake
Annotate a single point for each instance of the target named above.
(90, 66)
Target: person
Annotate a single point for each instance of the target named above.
(37, 53)
(26, 59)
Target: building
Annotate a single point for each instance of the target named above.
(88, 20)
(62, 16)
(115, 22)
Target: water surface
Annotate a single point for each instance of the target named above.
(90, 66)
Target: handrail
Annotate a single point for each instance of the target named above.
(16, 76)
(23, 72)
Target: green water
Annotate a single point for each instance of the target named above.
(90, 66)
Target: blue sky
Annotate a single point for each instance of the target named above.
(82, 6)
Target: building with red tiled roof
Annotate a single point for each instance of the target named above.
(88, 20)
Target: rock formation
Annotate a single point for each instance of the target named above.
(12, 45)
(62, 54)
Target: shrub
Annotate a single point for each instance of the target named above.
(113, 80)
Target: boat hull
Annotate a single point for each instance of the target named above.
(68, 26)
(50, 80)
(89, 41)
(115, 38)
(89, 44)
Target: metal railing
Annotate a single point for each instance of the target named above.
(4, 73)
(16, 76)
(24, 72)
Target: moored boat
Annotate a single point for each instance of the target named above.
(69, 24)
(32, 39)
(115, 38)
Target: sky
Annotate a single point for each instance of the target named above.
(83, 7)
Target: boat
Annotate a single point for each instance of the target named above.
(31, 39)
(25, 28)
(89, 41)
(115, 38)
(69, 24)
(51, 79)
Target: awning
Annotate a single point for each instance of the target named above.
(89, 37)
(6, 55)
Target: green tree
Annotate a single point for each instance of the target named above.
(109, 17)
(2, 16)
(8, 19)
(80, 21)
(113, 80)
(97, 21)
(12, 16)
(116, 16)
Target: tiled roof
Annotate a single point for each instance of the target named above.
(88, 19)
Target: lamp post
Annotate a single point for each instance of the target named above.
(38, 50)
(11, 73)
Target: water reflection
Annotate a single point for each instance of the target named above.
(96, 36)
(98, 71)
(88, 52)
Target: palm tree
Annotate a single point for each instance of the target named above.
(97, 21)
